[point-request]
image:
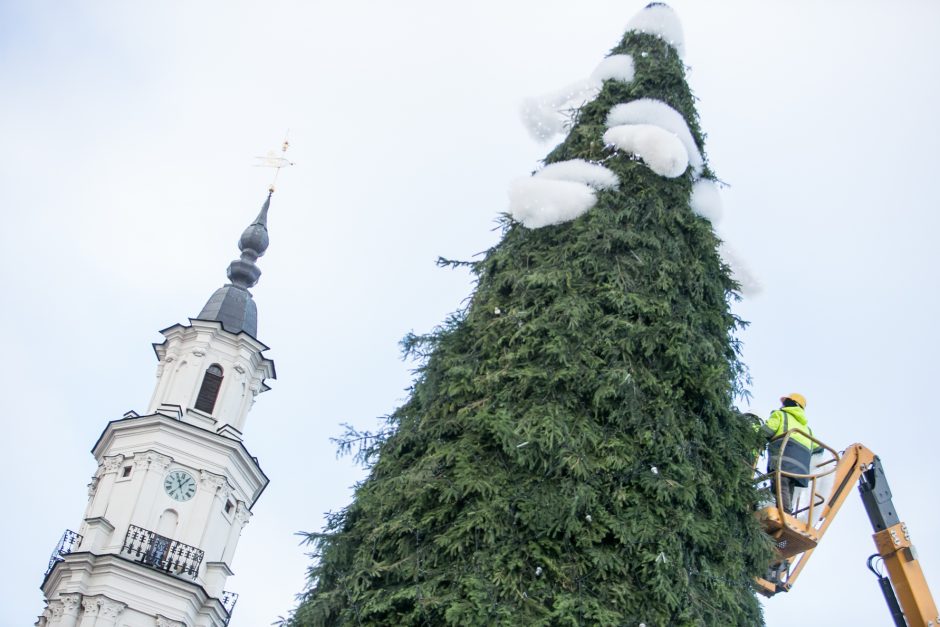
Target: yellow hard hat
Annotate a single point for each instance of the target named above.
(797, 398)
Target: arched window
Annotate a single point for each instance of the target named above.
(209, 391)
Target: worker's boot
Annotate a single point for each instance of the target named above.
(778, 572)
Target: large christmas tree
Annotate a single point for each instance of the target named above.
(570, 453)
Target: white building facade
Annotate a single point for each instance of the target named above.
(174, 488)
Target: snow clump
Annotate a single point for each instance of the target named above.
(616, 67)
(750, 285)
(706, 201)
(559, 192)
(657, 113)
(580, 171)
(661, 150)
(659, 20)
(547, 115)
(538, 201)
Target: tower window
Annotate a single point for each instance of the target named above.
(209, 391)
(126, 471)
(229, 506)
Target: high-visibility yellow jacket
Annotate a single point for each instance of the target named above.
(795, 458)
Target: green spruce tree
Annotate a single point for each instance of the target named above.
(570, 453)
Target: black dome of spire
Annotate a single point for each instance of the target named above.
(232, 304)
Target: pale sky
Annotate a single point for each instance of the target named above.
(128, 131)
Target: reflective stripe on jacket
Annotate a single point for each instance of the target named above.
(796, 455)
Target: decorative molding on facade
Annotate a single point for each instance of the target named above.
(240, 358)
(211, 480)
(242, 513)
(70, 603)
(110, 464)
(102, 606)
(101, 523)
(91, 606)
(147, 591)
(230, 432)
(163, 621)
(170, 411)
(152, 459)
(56, 609)
(218, 483)
(110, 609)
(223, 455)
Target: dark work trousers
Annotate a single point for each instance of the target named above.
(787, 485)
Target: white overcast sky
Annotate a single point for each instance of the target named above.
(128, 130)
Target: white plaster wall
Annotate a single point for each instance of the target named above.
(140, 499)
(186, 355)
(145, 597)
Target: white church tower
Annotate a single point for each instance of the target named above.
(174, 487)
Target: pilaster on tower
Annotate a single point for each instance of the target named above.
(175, 487)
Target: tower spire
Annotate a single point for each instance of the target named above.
(232, 304)
(243, 272)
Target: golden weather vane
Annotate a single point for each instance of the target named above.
(274, 160)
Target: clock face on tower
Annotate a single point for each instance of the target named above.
(180, 485)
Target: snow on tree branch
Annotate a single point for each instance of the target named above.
(538, 202)
(657, 113)
(661, 150)
(706, 200)
(659, 20)
(546, 116)
(580, 171)
(750, 284)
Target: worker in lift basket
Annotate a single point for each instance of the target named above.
(795, 457)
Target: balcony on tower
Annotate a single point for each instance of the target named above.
(160, 553)
(69, 542)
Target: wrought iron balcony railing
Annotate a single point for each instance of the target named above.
(70, 540)
(161, 553)
(229, 599)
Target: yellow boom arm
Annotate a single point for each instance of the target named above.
(797, 534)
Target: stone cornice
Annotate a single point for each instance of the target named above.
(216, 333)
(100, 521)
(233, 450)
(64, 577)
(222, 566)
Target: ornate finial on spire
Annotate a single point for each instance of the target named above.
(232, 304)
(273, 160)
(253, 243)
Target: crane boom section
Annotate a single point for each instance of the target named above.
(792, 532)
